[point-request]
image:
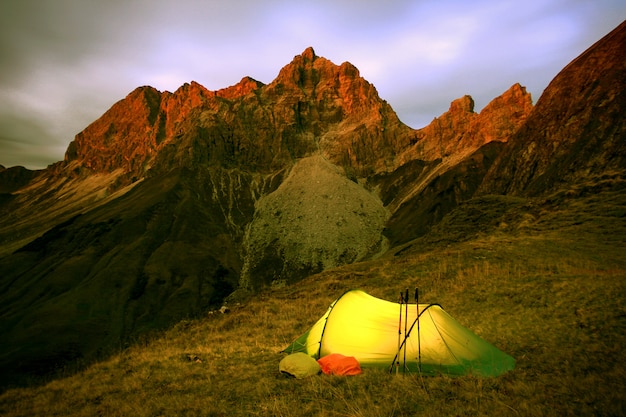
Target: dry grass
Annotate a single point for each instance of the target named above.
(551, 294)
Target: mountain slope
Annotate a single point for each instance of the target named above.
(144, 221)
(576, 129)
(170, 201)
(122, 269)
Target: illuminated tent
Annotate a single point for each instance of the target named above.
(359, 325)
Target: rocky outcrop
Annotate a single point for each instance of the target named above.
(460, 131)
(241, 89)
(132, 131)
(576, 129)
(330, 109)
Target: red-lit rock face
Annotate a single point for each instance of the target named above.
(312, 106)
(577, 128)
(461, 131)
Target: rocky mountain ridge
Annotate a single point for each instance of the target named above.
(312, 106)
(171, 201)
(576, 129)
(460, 130)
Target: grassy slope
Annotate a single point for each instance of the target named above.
(543, 281)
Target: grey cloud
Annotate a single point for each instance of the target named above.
(25, 142)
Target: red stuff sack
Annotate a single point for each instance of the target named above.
(338, 364)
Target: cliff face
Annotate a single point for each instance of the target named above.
(461, 131)
(420, 193)
(343, 114)
(129, 134)
(313, 106)
(575, 131)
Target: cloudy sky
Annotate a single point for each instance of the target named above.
(65, 62)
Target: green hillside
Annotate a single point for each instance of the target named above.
(542, 280)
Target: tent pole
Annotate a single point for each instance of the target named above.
(419, 347)
(399, 333)
(406, 319)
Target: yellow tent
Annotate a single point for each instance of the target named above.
(359, 325)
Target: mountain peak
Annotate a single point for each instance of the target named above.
(516, 90)
(301, 68)
(242, 88)
(309, 54)
(464, 104)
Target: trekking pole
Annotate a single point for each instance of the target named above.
(419, 348)
(406, 319)
(399, 333)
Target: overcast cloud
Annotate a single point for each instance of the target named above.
(65, 62)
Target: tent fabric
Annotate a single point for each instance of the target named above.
(299, 365)
(338, 364)
(365, 327)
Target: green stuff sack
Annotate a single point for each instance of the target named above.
(299, 365)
